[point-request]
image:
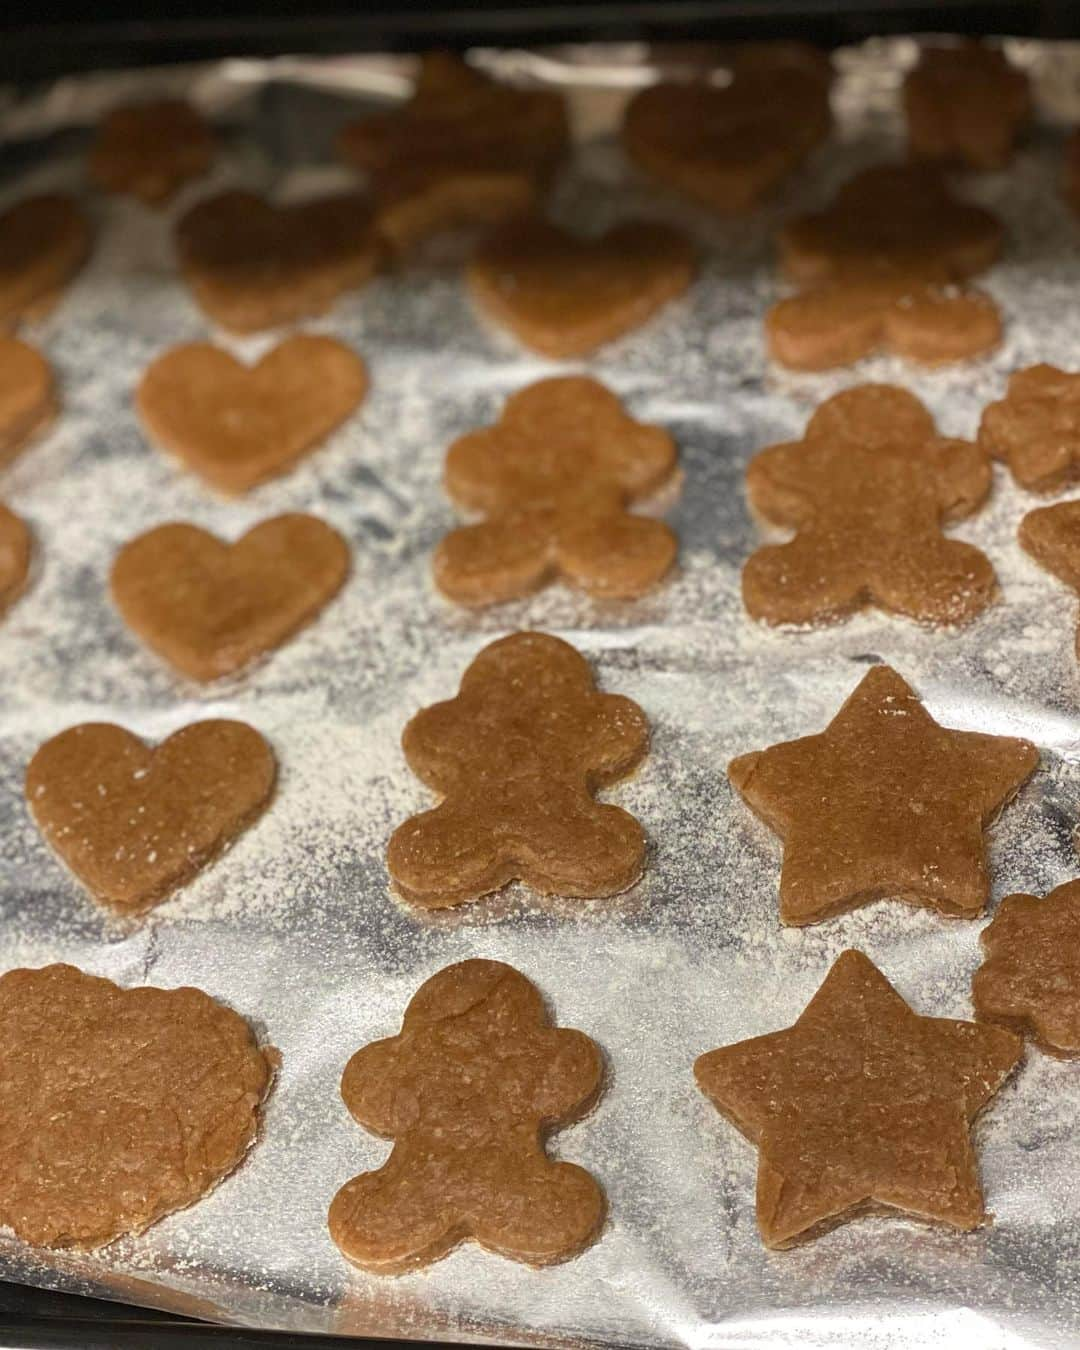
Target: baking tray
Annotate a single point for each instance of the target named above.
(296, 927)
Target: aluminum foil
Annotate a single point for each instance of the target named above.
(296, 928)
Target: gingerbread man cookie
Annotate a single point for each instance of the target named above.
(843, 321)
(862, 1107)
(564, 295)
(727, 146)
(895, 216)
(516, 757)
(118, 1106)
(27, 396)
(467, 1090)
(463, 150)
(134, 823)
(966, 103)
(238, 425)
(867, 490)
(151, 149)
(252, 266)
(211, 608)
(43, 243)
(553, 478)
(883, 803)
(1030, 980)
(1035, 428)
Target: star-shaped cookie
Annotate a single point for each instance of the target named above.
(884, 802)
(861, 1107)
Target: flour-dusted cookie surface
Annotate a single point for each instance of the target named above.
(238, 425)
(862, 1106)
(28, 401)
(1035, 428)
(1030, 979)
(843, 321)
(884, 803)
(251, 265)
(516, 757)
(563, 294)
(727, 146)
(867, 491)
(464, 149)
(966, 103)
(151, 149)
(211, 608)
(553, 479)
(44, 241)
(134, 822)
(901, 216)
(117, 1106)
(467, 1090)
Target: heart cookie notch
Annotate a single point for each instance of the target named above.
(563, 295)
(210, 608)
(238, 425)
(133, 822)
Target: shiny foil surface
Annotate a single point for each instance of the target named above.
(296, 928)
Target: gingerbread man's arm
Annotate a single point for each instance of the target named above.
(374, 1091)
(475, 472)
(780, 484)
(962, 476)
(569, 1079)
(436, 742)
(618, 738)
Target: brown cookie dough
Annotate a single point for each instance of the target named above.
(16, 544)
(727, 146)
(966, 103)
(895, 216)
(463, 150)
(43, 243)
(1052, 536)
(468, 1090)
(1030, 980)
(552, 479)
(866, 491)
(563, 295)
(118, 1106)
(1035, 428)
(843, 321)
(516, 757)
(28, 400)
(862, 1107)
(134, 822)
(883, 804)
(151, 149)
(238, 425)
(252, 266)
(211, 608)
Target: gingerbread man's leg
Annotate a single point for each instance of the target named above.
(390, 1220)
(615, 555)
(445, 856)
(939, 580)
(534, 1210)
(815, 577)
(577, 846)
(495, 560)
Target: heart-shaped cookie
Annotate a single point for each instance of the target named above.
(43, 243)
(15, 546)
(563, 295)
(238, 425)
(210, 608)
(134, 822)
(251, 265)
(27, 396)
